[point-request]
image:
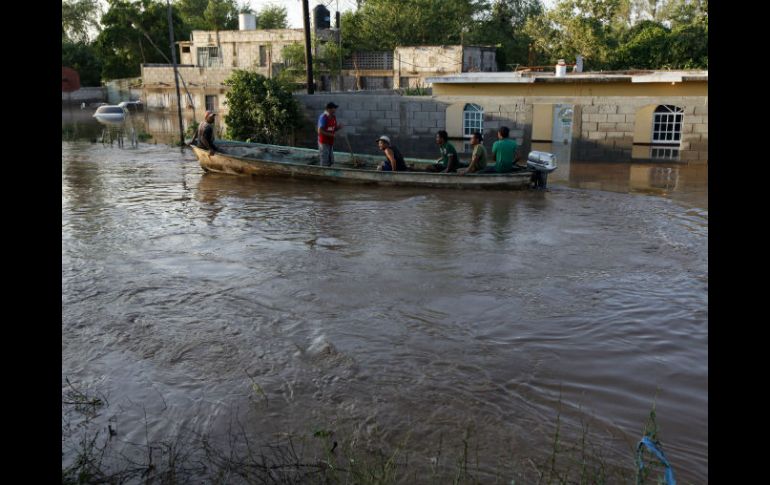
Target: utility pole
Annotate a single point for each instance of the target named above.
(308, 54)
(339, 40)
(176, 74)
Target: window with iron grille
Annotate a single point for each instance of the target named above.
(667, 124)
(667, 153)
(211, 103)
(209, 57)
(262, 55)
(473, 119)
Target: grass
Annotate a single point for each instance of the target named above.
(324, 455)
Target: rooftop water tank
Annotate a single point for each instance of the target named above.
(247, 21)
(321, 17)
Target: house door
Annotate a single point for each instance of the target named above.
(562, 123)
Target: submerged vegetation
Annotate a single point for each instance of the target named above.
(94, 453)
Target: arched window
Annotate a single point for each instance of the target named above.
(667, 124)
(473, 119)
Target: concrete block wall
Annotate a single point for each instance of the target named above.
(605, 127)
(85, 95)
(410, 121)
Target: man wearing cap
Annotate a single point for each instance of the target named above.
(205, 133)
(394, 161)
(327, 128)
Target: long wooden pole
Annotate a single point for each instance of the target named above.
(308, 55)
(176, 74)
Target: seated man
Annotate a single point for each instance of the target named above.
(478, 157)
(394, 161)
(448, 161)
(504, 151)
(204, 135)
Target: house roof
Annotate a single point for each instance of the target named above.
(579, 77)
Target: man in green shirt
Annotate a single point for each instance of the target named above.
(504, 151)
(448, 161)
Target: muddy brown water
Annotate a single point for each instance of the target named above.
(389, 311)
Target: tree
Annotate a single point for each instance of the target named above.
(135, 33)
(82, 58)
(385, 24)
(209, 14)
(260, 109)
(646, 45)
(580, 27)
(326, 62)
(221, 15)
(503, 27)
(272, 17)
(77, 18)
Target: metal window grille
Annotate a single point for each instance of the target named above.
(473, 119)
(664, 153)
(262, 55)
(211, 103)
(209, 57)
(369, 61)
(667, 124)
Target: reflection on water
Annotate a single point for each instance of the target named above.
(651, 170)
(396, 313)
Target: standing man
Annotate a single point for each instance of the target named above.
(204, 135)
(327, 128)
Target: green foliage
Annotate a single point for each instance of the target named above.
(502, 25)
(77, 17)
(135, 33)
(578, 27)
(260, 109)
(326, 62)
(624, 34)
(209, 14)
(384, 24)
(83, 58)
(646, 46)
(272, 17)
(221, 15)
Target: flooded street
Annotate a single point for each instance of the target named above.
(399, 315)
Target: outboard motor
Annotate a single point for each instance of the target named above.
(542, 163)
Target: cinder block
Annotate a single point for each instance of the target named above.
(702, 110)
(608, 108)
(688, 155)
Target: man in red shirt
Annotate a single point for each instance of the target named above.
(327, 128)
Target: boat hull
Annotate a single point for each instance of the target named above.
(256, 163)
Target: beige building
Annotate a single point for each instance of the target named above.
(208, 58)
(642, 114)
(409, 67)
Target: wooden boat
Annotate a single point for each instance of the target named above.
(261, 160)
